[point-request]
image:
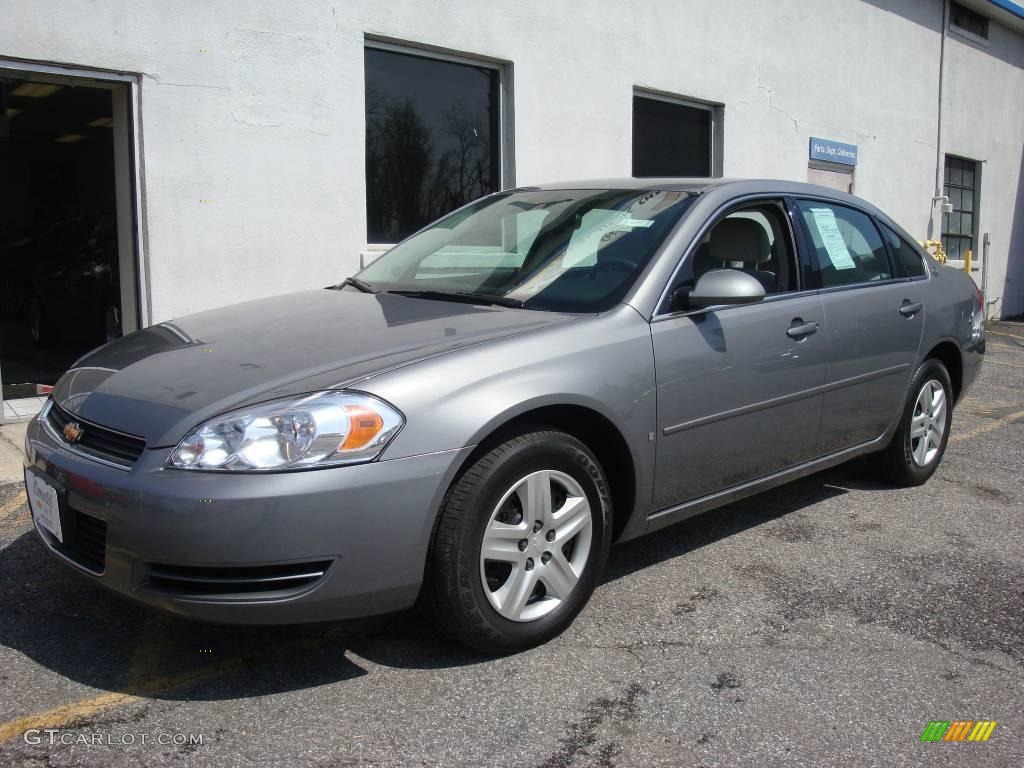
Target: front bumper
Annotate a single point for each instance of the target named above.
(214, 546)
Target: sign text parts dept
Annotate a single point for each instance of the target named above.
(833, 151)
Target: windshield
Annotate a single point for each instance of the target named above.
(567, 250)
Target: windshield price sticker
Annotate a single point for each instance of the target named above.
(634, 223)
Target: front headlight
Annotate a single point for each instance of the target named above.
(318, 430)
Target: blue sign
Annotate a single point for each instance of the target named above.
(833, 151)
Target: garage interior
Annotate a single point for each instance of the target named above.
(66, 233)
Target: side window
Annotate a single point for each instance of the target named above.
(907, 256)
(848, 245)
(754, 239)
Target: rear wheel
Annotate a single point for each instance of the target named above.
(919, 443)
(520, 544)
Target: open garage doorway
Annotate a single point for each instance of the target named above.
(68, 264)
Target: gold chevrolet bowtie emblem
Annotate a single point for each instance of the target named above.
(73, 431)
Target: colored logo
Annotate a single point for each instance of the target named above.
(73, 431)
(958, 730)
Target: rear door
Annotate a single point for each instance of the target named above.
(738, 387)
(874, 317)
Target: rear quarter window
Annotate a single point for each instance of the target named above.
(908, 258)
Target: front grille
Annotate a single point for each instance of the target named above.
(101, 442)
(85, 540)
(226, 581)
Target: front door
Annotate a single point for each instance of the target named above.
(738, 387)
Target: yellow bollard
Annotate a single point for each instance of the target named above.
(967, 261)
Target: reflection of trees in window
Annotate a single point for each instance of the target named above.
(463, 172)
(409, 182)
(398, 149)
(431, 140)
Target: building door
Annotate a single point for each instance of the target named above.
(67, 229)
(832, 178)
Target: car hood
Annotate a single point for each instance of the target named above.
(162, 381)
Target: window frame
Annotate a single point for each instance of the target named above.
(975, 205)
(812, 251)
(662, 309)
(715, 134)
(506, 122)
(969, 34)
(894, 258)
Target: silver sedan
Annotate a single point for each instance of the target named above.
(471, 421)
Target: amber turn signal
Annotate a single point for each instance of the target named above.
(364, 426)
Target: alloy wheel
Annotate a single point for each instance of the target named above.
(928, 423)
(536, 545)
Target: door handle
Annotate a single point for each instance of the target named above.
(908, 309)
(804, 329)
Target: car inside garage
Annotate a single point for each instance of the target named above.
(66, 233)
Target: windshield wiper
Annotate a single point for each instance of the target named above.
(355, 282)
(463, 296)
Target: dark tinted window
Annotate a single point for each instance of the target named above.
(908, 259)
(432, 140)
(670, 139)
(968, 20)
(848, 245)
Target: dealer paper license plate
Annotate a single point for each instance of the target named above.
(42, 501)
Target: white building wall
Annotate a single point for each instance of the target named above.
(258, 108)
(983, 105)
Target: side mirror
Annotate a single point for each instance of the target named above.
(679, 301)
(725, 286)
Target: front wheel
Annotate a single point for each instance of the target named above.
(920, 441)
(521, 542)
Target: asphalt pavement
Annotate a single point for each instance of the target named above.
(824, 623)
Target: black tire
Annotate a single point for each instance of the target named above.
(897, 462)
(453, 594)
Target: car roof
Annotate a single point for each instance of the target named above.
(677, 183)
(730, 187)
